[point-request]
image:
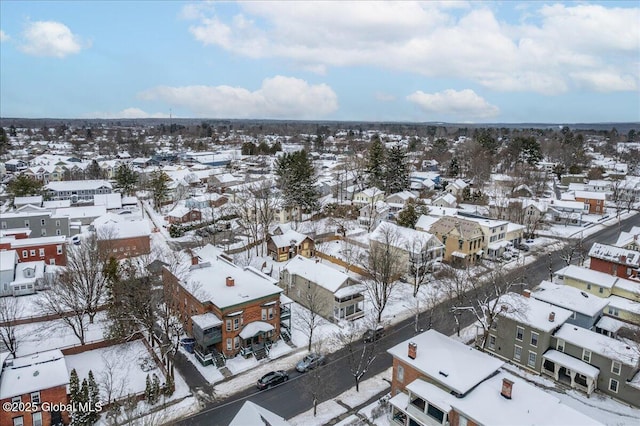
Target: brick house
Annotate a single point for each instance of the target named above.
(51, 250)
(36, 379)
(595, 201)
(614, 260)
(123, 238)
(228, 310)
(183, 214)
(439, 381)
(283, 243)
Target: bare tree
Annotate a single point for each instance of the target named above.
(455, 284)
(64, 300)
(310, 318)
(245, 207)
(318, 380)
(266, 204)
(573, 250)
(383, 267)
(359, 356)
(10, 310)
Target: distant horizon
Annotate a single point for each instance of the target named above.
(475, 62)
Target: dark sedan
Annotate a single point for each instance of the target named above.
(272, 379)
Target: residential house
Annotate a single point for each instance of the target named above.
(463, 239)
(567, 212)
(369, 196)
(52, 250)
(41, 223)
(372, 214)
(595, 201)
(588, 361)
(29, 277)
(283, 243)
(15, 165)
(495, 236)
(456, 188)
(322, 289)
(614, 260)
(414, 251)
(8, 261)
(34, 200)
(77, 190)
(253, 414)
(183, 214)
(445, 200)
(522, 330)
(123, 238)
(111, 201)
(439, 381)
(629, 240)
(33, 381)
(229, 310)
(587, 309)
(399, 200)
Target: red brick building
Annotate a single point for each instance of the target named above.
(31, 381)
(227, 309)
(612, 260)
(183, 215)
(124, 238)
(595, 200)
(51, 250)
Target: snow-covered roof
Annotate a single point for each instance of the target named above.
(372, 192)
(432, 393)
(319, 273)
(411, 240)
(574, 364)
(36, 200)
(626, 238)
(587, 275)
(40, 241)
(21, 276)
(599, 343)
(425, 221)
(590, 195)
(624, 304)
(570, 298)
(124, 229)
(110, 201)
(611, 324)
(79, 212)
(534, 313)
(615, 254)
(528, 405)
(33, 373)
(350, 290)
(207, 320)
(56, 204)
(7, 260)
(453, 364)
(446, 197)
(287, 238)
(77, 185)
(207, 281)
(252, 414)
(254, 328)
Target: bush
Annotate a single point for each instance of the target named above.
(176, 231)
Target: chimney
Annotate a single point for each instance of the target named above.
(504, 308)
(230, 282)
(413, 350)
(507, 387)
(552, 316)
(526, 293)
(194, 259)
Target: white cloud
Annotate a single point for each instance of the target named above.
(465, 104)
(278, 97)
(127, 113)
(538, 53)
(50, 38)
(4, 36)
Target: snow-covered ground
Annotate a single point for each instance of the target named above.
(591, 227)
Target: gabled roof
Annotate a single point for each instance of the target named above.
(531, 312)
(408, 239)
(319, 273)
(599, 343)
(615, 254)
(33, 373)
(569, 298)
(251, 414)
(287, 237)
(587, 275)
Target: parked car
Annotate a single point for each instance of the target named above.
(370, 335)
(506, 255)
(522, 246)
(309, 362)
(272, 379)
(75, 240)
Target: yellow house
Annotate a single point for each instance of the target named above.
(463, 239)
(585, 279)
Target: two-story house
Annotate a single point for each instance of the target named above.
(41, 223)
(372, 214)
(77, 190)
(613, 260)
(322, 289)
(52, 250)
(368, 196)
(122, 238)
(595, 201)
(463, 239)
(34, 380)
(228, 310)
(283, 243)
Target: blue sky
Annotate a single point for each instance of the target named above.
(560, 62)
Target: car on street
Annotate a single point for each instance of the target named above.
(309, 362)
(373, 334)
(272, 379)
(522, 247)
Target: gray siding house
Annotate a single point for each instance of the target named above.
(40, 223)
(586, 308)
(77, 190)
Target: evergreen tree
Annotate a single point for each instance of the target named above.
(408, 216)
(23, 186)
(159, 187)
(376, 163)
(155, 385)
(148, 391)
(93, 398)
(81, 417)
(126, 179)
(169, 386)
(93, 171)
(296, 178)
(74, 386)
(397, 171)
(4, 141)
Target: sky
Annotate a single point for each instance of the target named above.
(475, 62)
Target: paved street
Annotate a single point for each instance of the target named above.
(292, 398)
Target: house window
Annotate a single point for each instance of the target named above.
(25, 253)
(57, 223)
(613, 311)
(59, 249)
(616, 367)
(4, 225)
(264, 314)
(517, 352)
(586, 355)
(460, 243)
(58, 232)
(236, 323)
(560, 345)
(492, 342)
(532, 359)
(613, 385)
(36, 419)
(26, 223)
(400, 373)
(229, 343)
(18, 421)
(16, 399)
(41, 252)
(228, 325)
(534, 339)
(32, 252)
(43, 232)
(588, 286)
(601, 290)
(519, 333)
(236, 342)
(42, 222)
(271, 313)
(35, 397)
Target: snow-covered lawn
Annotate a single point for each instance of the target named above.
(44, 336)
(210, 373)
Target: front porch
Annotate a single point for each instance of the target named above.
(571, 371)
(207, 333)
(256, 339)
(348, 303)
